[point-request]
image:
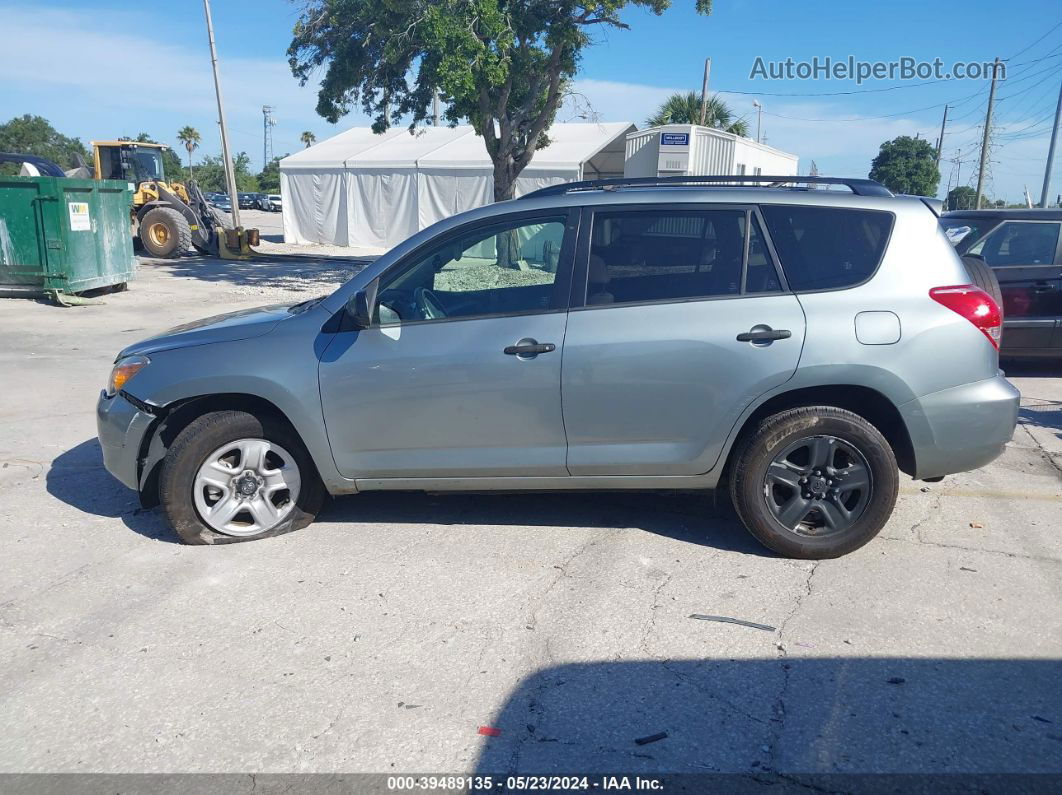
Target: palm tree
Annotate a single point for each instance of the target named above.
(686, 109)
(189, 136)
(308, 138)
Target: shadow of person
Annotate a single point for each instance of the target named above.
(78, 478)
(759, 719)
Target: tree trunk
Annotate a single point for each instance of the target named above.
(504, 181)
(504, 188)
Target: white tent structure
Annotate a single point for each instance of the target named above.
(363, 189)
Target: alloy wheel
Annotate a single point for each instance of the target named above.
(818, 486)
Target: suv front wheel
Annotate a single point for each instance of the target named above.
(230, 476)
(814, 482)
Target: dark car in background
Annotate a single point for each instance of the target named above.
(220, 201)
(253, 201)
(1023, 249)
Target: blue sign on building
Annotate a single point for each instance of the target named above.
(674, 139)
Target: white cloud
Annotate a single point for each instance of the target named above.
(62, 62)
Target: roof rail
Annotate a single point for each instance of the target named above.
(860, 187)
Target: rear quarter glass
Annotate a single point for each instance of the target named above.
(827, 248)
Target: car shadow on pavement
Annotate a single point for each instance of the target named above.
(768, 720)
(697, 518)
(78, 478)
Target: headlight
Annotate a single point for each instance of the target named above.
(124, 370)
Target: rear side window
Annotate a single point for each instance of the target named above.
(665, 255)
(824, 248)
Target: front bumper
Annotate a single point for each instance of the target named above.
(962, 428)
(121, 428)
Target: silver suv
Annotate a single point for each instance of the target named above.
(795, 346)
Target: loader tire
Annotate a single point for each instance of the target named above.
(164, 233)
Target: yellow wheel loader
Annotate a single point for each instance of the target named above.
(169, 217)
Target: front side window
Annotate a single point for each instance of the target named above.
(1019, 243)
(507, 268)
(665, 255)
(826, 248)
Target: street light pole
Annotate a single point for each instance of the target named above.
(230, 176)
(759, 117)
(704, 90)
(984, 140)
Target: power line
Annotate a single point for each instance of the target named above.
(1028, 47)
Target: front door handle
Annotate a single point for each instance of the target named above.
(767, 334)
(529, 348)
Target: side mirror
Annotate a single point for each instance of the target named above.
(360, 306)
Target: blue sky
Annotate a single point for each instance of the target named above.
(88, 66)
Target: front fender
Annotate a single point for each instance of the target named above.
(279, 367)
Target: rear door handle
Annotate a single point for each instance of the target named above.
(1043, 287)
(765, 335)
(527, 348)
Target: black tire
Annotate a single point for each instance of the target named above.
(205, 435)
(984, 277)
(165, 233)
(750, 492)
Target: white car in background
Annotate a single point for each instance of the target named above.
(276, 204)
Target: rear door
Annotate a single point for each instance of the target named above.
(1024, 257)
(658, 361)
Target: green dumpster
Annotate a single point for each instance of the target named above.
(64, 235)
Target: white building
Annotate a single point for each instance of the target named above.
(689, 149)
(362, 189)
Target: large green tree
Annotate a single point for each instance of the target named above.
(34, 135)
(907, 165)
(502, 65)
(686, 109)
(210, 174)
(269, 178)
(961, 198)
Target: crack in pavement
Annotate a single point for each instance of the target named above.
(779, 708)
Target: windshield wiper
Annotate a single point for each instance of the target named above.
(302, 306)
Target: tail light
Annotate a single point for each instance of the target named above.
(975, 305)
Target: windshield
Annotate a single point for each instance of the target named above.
(148, 164)
(964, 232)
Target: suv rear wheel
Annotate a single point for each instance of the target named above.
(814, 482)
(230, 476)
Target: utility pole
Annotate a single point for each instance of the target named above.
(759, 117)
(1051, 150)
(435, 107)
(230, 177)
(984, 139)
(268, 122)
(704, 90)
(940, 141)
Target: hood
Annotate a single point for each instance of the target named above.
(230, 327)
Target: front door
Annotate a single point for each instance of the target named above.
(1023, 256)
(684, 324)
(459, 375)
